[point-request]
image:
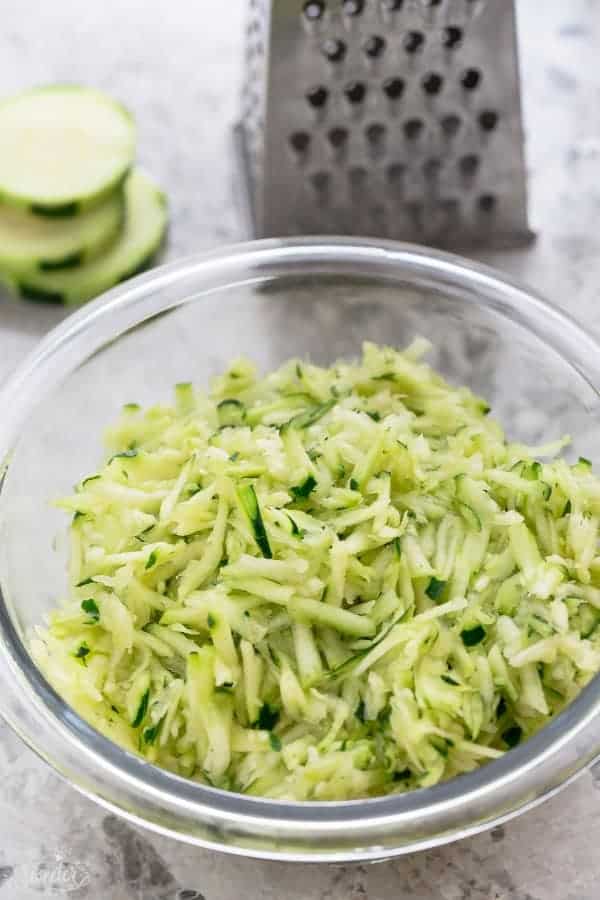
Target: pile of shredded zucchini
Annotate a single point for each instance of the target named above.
(326, 583)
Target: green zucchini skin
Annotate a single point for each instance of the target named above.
(249, 502)
(67, 262)
(39, 295)
(65, 211)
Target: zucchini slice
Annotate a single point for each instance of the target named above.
(63, 148)
(145, 224)
(30, 243)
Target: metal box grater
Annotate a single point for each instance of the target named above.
(392, 118)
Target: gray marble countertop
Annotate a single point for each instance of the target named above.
(176, 64)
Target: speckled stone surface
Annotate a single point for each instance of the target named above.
(176, 64)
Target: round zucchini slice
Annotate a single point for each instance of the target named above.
(63, 149)
(144, 229)
(30, 243)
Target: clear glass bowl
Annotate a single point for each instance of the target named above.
(272, 300)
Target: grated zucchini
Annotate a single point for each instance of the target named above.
(326, 583)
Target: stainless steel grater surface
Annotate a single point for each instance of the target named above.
(393, 118)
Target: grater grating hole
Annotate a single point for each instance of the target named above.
(395, 172)
(338, 137)
(470, 79)
(355, 92)
(415, 211)
(413, 128)
(300, 141)
(413, 41)
(452, 36)
(353, 7)
(317, 96)
(431, 168)
(433, 2)
(450, 124)
(321, 181)
(391, 5)
(450, 209)
(334, 50)
(468, 164)
(375, 135)
(433, 83)
(488, 119)
(313, 10)
(357, 176)
(374, 46)
(393, 88)
(378, 216)
(450, 206)
(487, 202)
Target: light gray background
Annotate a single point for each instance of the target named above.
(176, 64)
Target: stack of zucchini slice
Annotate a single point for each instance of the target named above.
(76, 216)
